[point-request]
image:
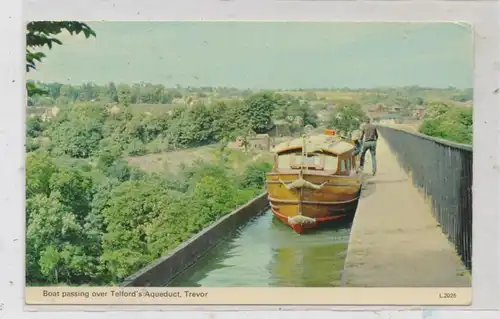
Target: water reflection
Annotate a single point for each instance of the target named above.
(267, 253)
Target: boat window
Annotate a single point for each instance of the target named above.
(342, 166)
(331, 163)
(309, 160)
(284, 161)
(295, 160)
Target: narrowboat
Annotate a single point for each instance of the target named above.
(314, 180)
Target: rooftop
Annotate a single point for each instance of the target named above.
(315, 143)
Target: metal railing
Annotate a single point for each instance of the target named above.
(443, 170)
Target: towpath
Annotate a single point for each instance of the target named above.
(395, 240)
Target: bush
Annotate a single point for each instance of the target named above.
(136, 148)
(157, 145)
(254, 175)
(449, 123)
(94, 219)
(32, 144)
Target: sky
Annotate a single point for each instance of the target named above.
(266, 55)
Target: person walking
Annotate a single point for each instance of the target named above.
(369, 137)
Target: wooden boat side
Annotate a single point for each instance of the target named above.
(328, 194)
(316, 178)
(336, 194)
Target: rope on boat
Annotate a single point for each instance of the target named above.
(304, 154)
(301, 219)
(302, 183)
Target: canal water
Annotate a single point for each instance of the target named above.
(267, 253)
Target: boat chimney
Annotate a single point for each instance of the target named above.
(330, 132)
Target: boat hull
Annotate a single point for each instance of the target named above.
(319, 200)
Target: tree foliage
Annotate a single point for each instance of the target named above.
(94, 219)
(347, 118)
(259, 109)
(295, 112)
(448, 122)
(91, 217)
(40, 34)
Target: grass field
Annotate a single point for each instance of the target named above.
(37, 110)
(174, 160)
(431, 95)
(329, 95)
(153, 108)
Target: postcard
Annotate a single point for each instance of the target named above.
(257, 163)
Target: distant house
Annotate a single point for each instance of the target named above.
(195, 102)
(298, 120)
(284, 127)
(281, 128)
(468, 104)
(390, 119)
(376, 111)
(395, 109)
(113, 108)
(259, 142)
(419, 111)
(49, 113)
(323, 116)
(178, 101)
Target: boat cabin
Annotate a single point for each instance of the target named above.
(328, 154)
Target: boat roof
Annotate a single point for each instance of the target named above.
(327, 143)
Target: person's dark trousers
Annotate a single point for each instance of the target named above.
(372, 147)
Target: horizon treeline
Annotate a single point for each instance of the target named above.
(58, 94)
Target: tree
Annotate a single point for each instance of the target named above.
(448, 122)
(285, 106)
(78, 130)
(52, 230)
(58, 201)
(34, 126)
(226, 120)
(111, 92)
(245, 133)
(124, 94)
(304, 112)
(290, 108)
(39, 171)
(258, 109)
(43, 33)
(131, 207)
(436, 109)
(347, 118)
(255, 174)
